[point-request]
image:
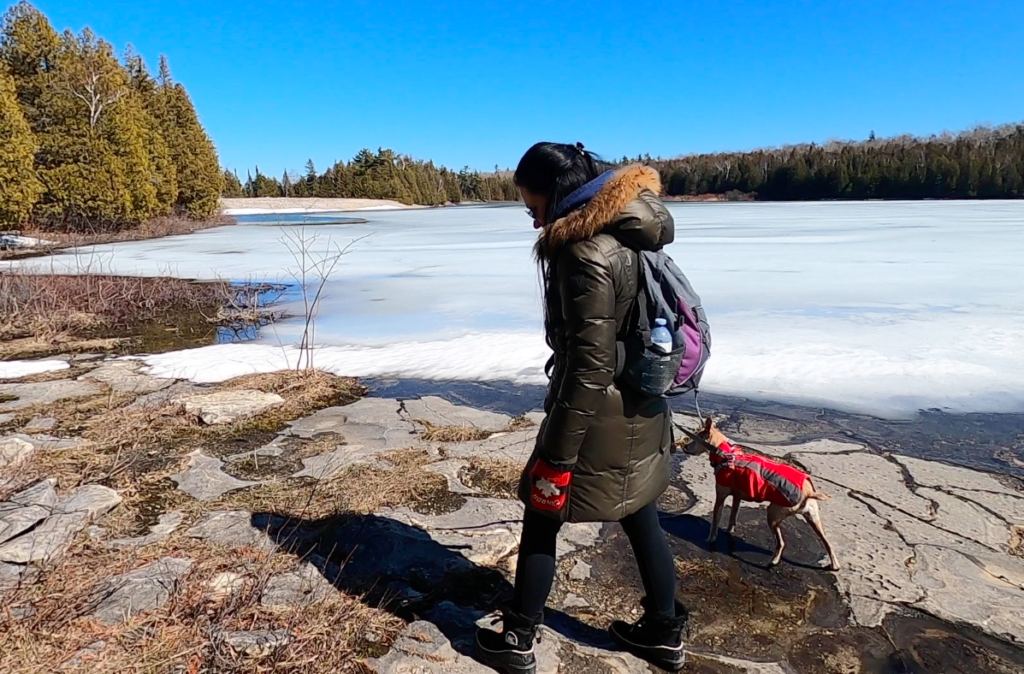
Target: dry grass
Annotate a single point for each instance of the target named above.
(432, 433)
(359, 489)
(520, 423)
(495, 477)
(133, 448)
(304, 391)
(44, 313)
(327, 637)
(1016, 544)
(134, 451)
(153, 229)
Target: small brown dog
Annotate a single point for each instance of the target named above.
(751, 477)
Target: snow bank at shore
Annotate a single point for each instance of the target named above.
(273, 205)
(16, 369)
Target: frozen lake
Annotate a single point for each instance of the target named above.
(885, 308)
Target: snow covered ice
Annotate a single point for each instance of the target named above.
(17, 369)
(878, 307)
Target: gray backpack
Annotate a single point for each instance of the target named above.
(664, 292)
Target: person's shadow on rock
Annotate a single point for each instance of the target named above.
(400, 568)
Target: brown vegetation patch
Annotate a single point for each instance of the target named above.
(1016, 546)
(130, 448)
(520, 423)
(326, 637)
(495, 477)
(433, 433)
(151, 229)
(43, 314)
(360, 489)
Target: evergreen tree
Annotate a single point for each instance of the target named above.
(199, 178)
(29, 46)
(144, 90)
(19, 188)
(232, 185)
(93, 160)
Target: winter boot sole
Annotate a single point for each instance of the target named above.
(487, 657)
(669, 658)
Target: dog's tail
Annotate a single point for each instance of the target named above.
(815, 494)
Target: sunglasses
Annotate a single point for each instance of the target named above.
(529, 211)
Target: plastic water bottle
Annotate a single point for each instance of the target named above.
(661, 338)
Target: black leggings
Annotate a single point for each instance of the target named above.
(535, 571)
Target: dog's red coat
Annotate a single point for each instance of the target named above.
(755, 478)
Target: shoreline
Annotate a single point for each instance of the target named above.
(283, 205)
(407, 503)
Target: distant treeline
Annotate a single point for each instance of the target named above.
(381, 175)
(91, 143)
(984, 163)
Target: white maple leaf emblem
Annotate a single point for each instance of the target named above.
(548, 488)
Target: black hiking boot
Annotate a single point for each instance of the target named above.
(653, 638)
(511, 650)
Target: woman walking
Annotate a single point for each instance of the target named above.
(602, 452)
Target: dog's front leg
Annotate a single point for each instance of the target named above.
(721, 493)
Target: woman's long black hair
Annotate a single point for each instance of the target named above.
(556, 170)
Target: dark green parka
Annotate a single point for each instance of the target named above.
(617, 441)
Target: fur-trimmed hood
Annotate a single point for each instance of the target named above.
(626, 206)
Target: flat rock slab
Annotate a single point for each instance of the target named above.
(936, 474)
(227, 407)
(322, 422)
(302, 587)
(70, 516)
(26, 509)
(144, 589)
(40, 425)
(14, 450)
(46, 393)
(514, 446)
(440, 412)
(484, 530)
(812, 447)
(256, 644)
(123, 376)
(231, 528)
(450, 469)
(165, 526)
(204, 480)
(225, 584)
(18, 447)
(11, 575)
(868, 474)
(170, 395)
(373, 423)
(976, 591)
(326, 465)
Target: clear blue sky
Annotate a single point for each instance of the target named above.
(475, 83)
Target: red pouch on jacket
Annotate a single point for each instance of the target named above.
(549, 486)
